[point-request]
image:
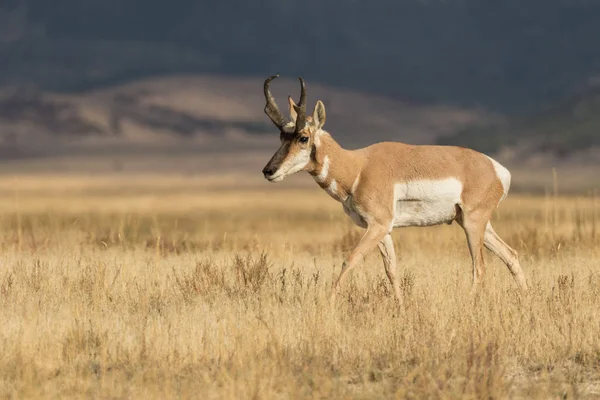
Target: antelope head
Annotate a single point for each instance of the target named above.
(297, 134)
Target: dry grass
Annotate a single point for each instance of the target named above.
(142, 288)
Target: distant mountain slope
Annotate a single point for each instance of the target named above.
(201, 109)
(568, 129)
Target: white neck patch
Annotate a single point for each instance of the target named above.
(324, 171)
(332, 189)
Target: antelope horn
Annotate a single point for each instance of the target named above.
(271, 108)
(301, 107)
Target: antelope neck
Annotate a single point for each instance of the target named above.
(336, 169)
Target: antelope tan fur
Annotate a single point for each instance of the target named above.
(391, 184)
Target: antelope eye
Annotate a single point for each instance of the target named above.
(303, 139)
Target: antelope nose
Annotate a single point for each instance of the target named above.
(267, 171)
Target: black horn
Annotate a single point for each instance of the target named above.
(301, 107)
(271, 108)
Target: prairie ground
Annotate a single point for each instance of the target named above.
(165, 286)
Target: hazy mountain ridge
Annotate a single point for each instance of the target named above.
(566, 130)
(148, 72)
(207, 109)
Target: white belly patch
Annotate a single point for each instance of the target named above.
(426, 202)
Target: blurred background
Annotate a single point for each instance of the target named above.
(155, 86)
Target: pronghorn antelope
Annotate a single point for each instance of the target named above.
(391, 184)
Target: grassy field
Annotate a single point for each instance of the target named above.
(166, 286)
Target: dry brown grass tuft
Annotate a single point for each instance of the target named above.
(120, 291)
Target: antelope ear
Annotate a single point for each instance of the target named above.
(319, 115)
(293, 113)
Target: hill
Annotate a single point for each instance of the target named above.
(567, 130)
(203, 112)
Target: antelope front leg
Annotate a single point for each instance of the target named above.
(374, 234)
(386, 247)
